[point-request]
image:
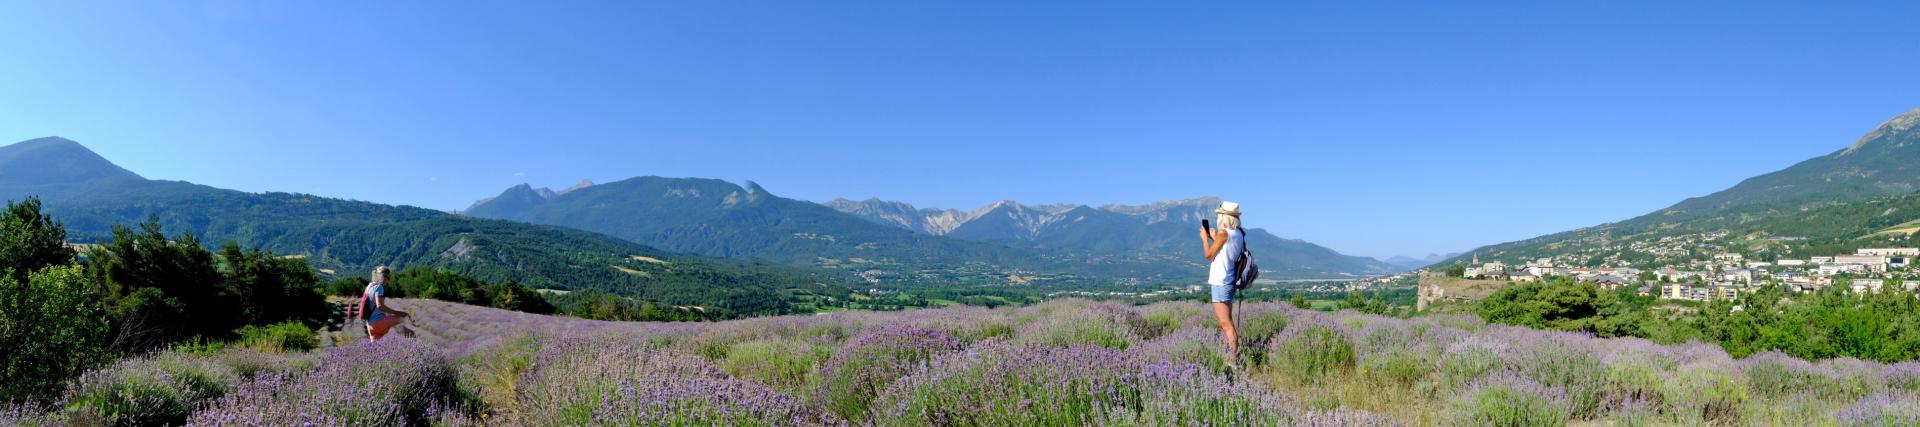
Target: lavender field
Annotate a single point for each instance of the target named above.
(1068, 362)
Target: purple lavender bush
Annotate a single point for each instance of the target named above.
(1199, 346)
(1003, 384)
(1311, 350)
(1564, 360)
(581, 380)
(390, 382)
(159, 390)
(29, 415)
(866, 364)
(1705, 392)
(1260, 322)
(1902, 376)
(790, 365)
(1398, 368)
(1079, 322)
(1507, 400)
(1470, 359)
(1889, 409)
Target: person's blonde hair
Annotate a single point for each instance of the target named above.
(382, 274)
(1228, 222)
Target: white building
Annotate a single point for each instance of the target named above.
(1872, 262)
(1832, 269)
(1909, 252)
(1865, 285)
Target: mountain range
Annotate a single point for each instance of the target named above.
(1884, 162)
(1155, 231)
(90, 195)
(885, 241)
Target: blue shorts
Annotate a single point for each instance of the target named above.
(1222, 293)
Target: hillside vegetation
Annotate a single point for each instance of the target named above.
(1066, 362)
(344, 238)
(1885, 162)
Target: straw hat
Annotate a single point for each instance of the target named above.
(1228, 208)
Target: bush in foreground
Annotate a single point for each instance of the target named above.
(1005, 384)
(394, 381)
(584, 380)
(284, 336)
(1312, 352)
(866, 364)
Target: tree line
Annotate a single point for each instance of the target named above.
(64, 311)
(1833, 322)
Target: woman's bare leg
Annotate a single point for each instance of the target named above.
(1224, 313)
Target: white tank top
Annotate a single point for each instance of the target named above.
(1221, 272)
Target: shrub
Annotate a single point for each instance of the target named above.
(1200, 346)
(1260, 326)
(284, 336)
(30, 415)
(1903, 376)
(788, 365)
(1890, 409)
(52, 329)
(1311, 353)
(1565, 364)
(1001, 384)
(162, 390)
(1705, 394)
(1774, 374)
(1507, 400)
(1470, 359)
(1633, 384)
(588, 380)
(865, 365)
(1400, 368)
(1077, 323)
(390, 382)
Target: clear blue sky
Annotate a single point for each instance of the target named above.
(1375, 128)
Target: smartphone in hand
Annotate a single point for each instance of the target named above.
(1205, 226)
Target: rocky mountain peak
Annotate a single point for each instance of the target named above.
(1896, 131)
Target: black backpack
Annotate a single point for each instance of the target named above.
(1246, 271)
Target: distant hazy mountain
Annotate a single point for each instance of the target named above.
(1156, 231)
(518, 200)
(1884, 162)
(717, 218)
(1413, 263)
(896, 240)
(90, 195)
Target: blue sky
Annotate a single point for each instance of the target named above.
(1375, 128)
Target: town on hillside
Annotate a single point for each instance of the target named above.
(1724, 276)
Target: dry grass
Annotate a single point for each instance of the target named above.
(1908, 229)
(632, 271)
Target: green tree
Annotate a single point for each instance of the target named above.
(162, 290)
(273, 289)
(1456, 270)
(31, 241)
(1299, 300)
(446, 285)
(52, 328)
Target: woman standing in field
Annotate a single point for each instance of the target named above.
(373, 306)
(1223, 245)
